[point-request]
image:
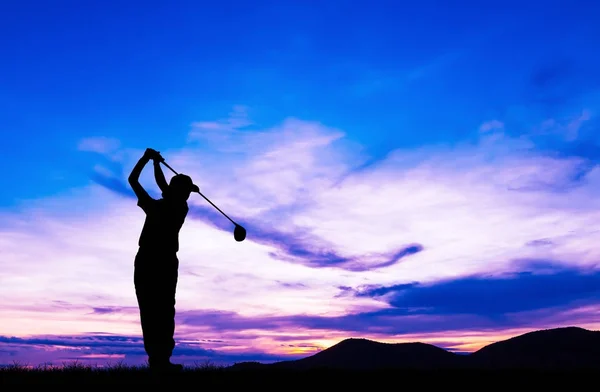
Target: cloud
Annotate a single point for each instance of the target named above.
(297, 246)
(295, 251)
(568, 131)
(319, 219)
(294, 247)
(110, 348)
(495, 167)
(368, 81)
(100, 145)
(219, 131)
(299, 286)
(421, 321)
(535, 286)
(314, 227)
(546, 294)
(491, 125)
(112, 309)
(115, 184)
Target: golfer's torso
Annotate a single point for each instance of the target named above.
(162, 226)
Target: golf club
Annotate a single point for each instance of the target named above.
(239, 233)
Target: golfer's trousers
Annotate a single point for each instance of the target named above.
(155, 279)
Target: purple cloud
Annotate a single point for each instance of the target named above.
(112, 309)
(529, 298)
(111, 348)
(539, 285)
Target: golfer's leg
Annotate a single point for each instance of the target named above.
(142, 300)
(166, 307)
(148, 322)
(171, 309)
(146, 297)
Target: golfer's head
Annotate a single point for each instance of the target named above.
(180, 187)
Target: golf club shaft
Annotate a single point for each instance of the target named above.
(170, 168)
(224, 214)
(205, 198)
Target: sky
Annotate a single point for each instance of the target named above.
(406, 171)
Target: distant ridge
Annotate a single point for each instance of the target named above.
(569, 347)
(368, 354)
(559, 348)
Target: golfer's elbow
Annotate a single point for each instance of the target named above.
(133, 180)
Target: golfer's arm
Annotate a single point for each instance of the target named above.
(135, 176)
(160, 177)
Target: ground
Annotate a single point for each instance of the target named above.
(211, 377)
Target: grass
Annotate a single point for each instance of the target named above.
(208, 375)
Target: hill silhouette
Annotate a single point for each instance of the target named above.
(368, 354)
(561, 348)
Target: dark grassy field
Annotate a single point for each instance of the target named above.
(203, 377)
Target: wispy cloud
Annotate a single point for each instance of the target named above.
(100, 145)
(491, 126)
(219, 131)
(105, 349)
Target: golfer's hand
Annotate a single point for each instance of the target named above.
(153, 155)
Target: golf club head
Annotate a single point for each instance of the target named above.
(239, 233)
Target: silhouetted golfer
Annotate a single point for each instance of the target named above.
(156, 263)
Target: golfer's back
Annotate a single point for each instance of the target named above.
(164, 219)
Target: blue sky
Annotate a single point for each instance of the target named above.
(391, 74)
(399, 167)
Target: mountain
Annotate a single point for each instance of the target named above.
(367, 354)
(569, 347)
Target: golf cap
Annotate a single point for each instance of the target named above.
(184, 182)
